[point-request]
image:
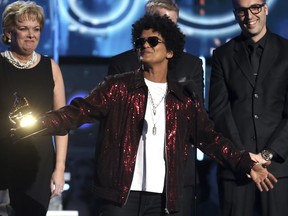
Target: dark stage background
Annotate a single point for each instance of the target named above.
(102, 28)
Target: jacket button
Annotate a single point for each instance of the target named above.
(256, 116)
(256, 95)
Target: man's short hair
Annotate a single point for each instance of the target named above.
(152, 6)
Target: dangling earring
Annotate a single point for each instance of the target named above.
(9, 40)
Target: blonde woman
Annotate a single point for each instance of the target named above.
(33, 168)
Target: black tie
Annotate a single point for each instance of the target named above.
(254, 57)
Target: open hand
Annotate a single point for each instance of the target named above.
(262, 177)
(57, 182)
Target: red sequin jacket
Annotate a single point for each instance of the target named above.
(120, 102)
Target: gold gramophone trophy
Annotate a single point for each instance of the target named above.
(22, 118)
(21, 114)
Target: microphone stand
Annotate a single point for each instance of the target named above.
(196, 100)
(195, 156)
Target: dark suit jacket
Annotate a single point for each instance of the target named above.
(252, 112)
(187, 70)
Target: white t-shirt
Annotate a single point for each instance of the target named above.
(149, 173)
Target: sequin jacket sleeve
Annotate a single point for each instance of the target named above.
(80, 111)
(221, 149)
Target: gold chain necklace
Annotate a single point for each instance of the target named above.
(9, 56)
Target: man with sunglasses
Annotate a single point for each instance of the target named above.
(148, 121)
(187, 69)
(248, 102)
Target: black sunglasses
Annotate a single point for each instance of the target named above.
(254, 9)
(152, 41)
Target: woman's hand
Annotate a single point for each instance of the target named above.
(57, 183)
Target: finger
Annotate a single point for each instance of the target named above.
(269, 183)
(267, 163)
(264, 185)
(52, 187)
(272, 178)
(58, 189)
(56, 193)
(259, 187)
(53, 195)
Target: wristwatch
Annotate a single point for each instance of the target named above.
(266, 155)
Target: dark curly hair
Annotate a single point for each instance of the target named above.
(171, 33)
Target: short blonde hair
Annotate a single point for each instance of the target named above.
(20, 10)
(152, 6)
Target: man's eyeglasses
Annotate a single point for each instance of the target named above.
(254, 9)
(152, 41)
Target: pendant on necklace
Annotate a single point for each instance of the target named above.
(154, 130)
(154, 111)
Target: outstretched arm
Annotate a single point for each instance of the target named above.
(227, 154)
